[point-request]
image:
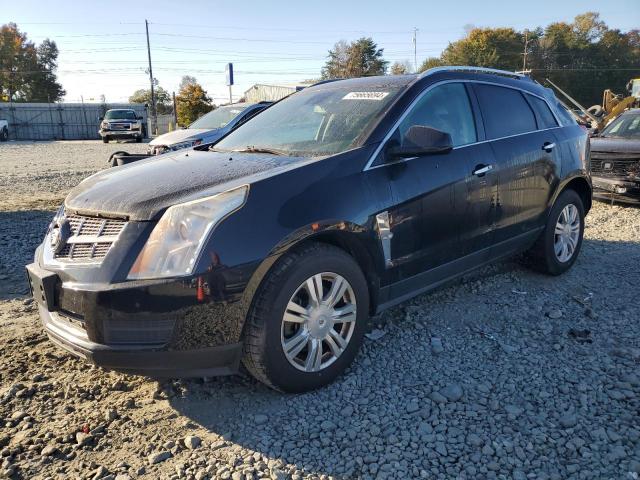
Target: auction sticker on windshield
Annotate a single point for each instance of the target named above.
(365, 95)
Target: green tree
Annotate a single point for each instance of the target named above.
(192, 102)
(27, 71)
(358, 59)
(164, 102)
(583, 57)
(486, 47)
(430, 62)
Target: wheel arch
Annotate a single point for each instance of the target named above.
(350, 238)
(581, 186)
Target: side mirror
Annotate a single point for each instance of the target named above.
(420, 140)
(101, 118)
(139, 117)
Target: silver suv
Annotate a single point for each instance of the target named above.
(122, 124)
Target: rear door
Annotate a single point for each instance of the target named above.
(525, 161)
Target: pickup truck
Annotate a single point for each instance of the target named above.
(4, 130)
(122, 123)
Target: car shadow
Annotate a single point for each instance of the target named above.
(289, 427)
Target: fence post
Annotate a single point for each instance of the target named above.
(53, 135)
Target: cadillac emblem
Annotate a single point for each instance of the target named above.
(59, 235)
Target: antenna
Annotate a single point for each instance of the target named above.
(415, 49)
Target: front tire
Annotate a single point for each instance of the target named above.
(105, 139)
(307, 320)
(559, 244)
(4, 135)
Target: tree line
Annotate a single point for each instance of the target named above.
(583, 57)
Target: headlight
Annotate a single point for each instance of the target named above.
(105, 125)
(176, 241)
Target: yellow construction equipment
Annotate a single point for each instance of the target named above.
(613, 104)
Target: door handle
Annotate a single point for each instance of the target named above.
(548, 146)
(480, 170)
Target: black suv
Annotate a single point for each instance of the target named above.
(275, 245)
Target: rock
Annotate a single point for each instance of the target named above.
(260, 419)
(474, 440)
(99, 473)
(513, 410)
(437, 397)
(192, 442)
(375, 334)
(110, 414)
(158, 457)
(83, 438)
(568, 420)
(452, 392)
(327, 426)
(123, 476)
(49, 450)
(441, 448)
(412, 407)
(554, 314)
(436, 345)
(18, 415)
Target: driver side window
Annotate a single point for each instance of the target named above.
(445, 108)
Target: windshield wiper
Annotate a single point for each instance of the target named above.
(252, 149)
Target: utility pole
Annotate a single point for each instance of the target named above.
(154, 117)
(526, 51)
(415, 50)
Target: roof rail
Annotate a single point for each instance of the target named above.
(492, 71)
(322, 82)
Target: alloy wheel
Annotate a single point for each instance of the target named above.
(567, 233)
(318, 322)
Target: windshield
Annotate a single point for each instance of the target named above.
(120, 115)
(219, 117)
(316, 121)
(626, 126)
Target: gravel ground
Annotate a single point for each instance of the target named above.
(506, 374)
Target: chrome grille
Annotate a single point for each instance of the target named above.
(91, 237)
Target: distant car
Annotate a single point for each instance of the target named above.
(208, 128)
(615, 159)
(4, 130)
(122, 123)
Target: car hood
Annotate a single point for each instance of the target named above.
(122, 120)
(144, 189)
(615, 145)
(182, 135)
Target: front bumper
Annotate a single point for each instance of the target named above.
(120, 133)
(167, 329)
(621, 189)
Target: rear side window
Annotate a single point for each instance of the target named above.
(505, 111)
(445, 108)
(545, 116)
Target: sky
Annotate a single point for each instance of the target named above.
(103, 45)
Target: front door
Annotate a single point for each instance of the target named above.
(431, 211)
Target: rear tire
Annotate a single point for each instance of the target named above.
(138, 139)
(332, 330)
(559, 244)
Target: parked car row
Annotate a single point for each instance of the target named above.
(274, 245)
